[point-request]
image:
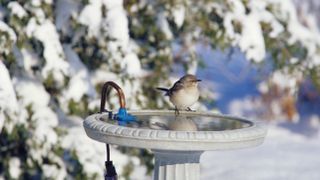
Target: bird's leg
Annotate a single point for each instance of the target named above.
(176, 111)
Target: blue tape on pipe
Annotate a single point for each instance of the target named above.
(123, 117)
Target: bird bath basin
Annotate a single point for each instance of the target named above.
(176, 140)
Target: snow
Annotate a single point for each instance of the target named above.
(90, 153)
(56, 170)
(283, 155)
(28, 60)
(178, 14)
(48, 1)
(304, 31)
(24, 87)
(250, 39)
(17, 9)
(163, 25)
(53, 52)
(43, 116)
(284, 81)
(131, 64)
(265, 16)
(116, 23)
(36, 3)
(14, 167)
(46, 121)
(7, 94)
(110, 4)
(114, 27)
(4, 28)
(91, 17)
(314, 121)
(99, 76)
(245, 106)
(50, 171)
(79, 84)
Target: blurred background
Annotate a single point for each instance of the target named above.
(258, 59)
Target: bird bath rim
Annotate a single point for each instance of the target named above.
(173, 140)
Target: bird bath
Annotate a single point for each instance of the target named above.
(176, 140)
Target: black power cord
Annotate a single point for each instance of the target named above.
(111, 173)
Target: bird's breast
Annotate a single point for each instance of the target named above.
(185, 98)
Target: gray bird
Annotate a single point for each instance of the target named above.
(184, 93)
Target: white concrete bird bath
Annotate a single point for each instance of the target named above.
(177, 141)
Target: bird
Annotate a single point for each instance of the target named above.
(184, 92)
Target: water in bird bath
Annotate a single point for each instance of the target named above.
(183, 122)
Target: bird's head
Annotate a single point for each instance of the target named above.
(190, 80)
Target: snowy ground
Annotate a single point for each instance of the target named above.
(283, 155)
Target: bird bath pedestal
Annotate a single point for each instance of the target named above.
(177, 141)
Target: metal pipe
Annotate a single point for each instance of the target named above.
(104, 95)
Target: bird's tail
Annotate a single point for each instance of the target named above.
(163, 89)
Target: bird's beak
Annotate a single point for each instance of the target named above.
(198, 80)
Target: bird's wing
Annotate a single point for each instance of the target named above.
(176, 87)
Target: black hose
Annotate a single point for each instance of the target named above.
(108, 152)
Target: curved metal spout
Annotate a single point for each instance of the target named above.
(104, 95)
